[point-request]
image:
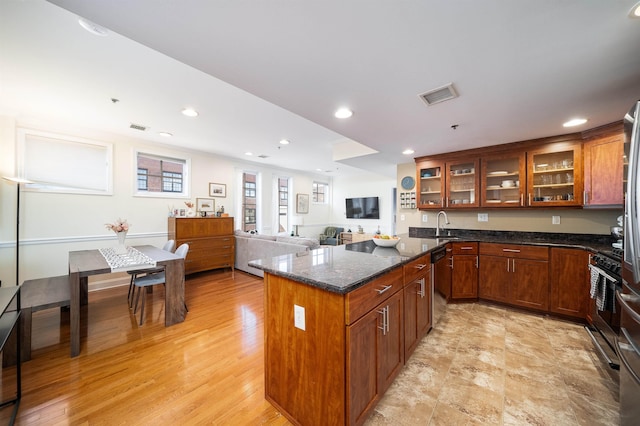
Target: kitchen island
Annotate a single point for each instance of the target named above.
(335, 326)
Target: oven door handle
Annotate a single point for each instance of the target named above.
(624, 300)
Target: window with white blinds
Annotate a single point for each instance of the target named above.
(60, 163)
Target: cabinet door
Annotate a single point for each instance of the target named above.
(503, 180)
(493, 278)
(462, 184)
(603, 159)
(464, 278)
(363, 358)
(391, 342)
(442, 276)
(417, 312)
(554, 176)
(431, 181)
(569, 282)
(529, 286)
(424, 307)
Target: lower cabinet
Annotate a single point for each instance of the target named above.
(514, 274)
(417, 302)
(464, 273)
(569, 282)
(442, 274)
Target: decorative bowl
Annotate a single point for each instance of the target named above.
(382, 242)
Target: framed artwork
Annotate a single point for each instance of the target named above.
(205, 205)
(302, 203)
(217, 190)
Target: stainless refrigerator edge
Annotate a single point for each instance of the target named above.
(628, 342)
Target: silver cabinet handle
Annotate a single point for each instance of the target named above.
(421, 290)
(420, 266)
(477, 262)
(451, 266)
(514, 265)
(585, 197)
(466, 248)
(383, 312)
(529, 198)
(511, 250)
(383, 289)
(521, 200)
(508, 264)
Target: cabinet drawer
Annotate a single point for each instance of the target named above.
(416, 268)
(515, 250)
(208, 243)
(204, 264)
(465, 248)
(367, 297)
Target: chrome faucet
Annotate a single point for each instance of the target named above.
(446, 221)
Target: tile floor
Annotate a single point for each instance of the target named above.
(486, 364)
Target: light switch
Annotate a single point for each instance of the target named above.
(401, 217)
(555, 220)
(298, 317)
(483, 217)
(424, 217)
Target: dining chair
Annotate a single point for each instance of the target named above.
(168, 246)
(140, 283)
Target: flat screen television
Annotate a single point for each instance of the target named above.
(363, 208)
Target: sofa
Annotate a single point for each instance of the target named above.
(255, 246)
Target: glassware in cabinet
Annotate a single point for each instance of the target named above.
(462, 186)
(503, 180)
(431, 185)
(555, 177)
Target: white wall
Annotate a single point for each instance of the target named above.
(54, 224)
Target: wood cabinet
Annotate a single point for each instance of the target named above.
(351, 348)
(431, 184)
(462, 183)
(554, 175)
(211, 242)
(353, 237)
(515, 274)
(569, 294)
(417, 302)
(503, 181)
(442, 274)
(464, 271)
(603, 160)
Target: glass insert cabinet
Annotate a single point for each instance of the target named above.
(503, 180)
(555, 176)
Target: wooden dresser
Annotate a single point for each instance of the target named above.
(211, 242)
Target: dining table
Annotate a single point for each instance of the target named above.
(84, 263)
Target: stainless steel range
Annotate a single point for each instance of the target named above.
(606, 270)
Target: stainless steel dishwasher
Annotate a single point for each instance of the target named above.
(440, 270)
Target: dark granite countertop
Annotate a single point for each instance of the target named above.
(344, 268)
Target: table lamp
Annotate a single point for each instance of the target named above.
(297, 221)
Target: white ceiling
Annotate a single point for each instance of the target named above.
(260, 71)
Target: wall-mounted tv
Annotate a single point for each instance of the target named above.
(363, 208)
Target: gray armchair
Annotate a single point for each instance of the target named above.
(330, 236)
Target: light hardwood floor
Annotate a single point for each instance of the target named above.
(482, 365)
(206, 370)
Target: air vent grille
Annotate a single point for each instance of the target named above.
(263, 156)
(138, 127)
(440, 94)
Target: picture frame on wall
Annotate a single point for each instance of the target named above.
(302, 203)
(217, 189)
(207, 205)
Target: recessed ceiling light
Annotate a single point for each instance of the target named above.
(190, 112)
(408, 151)
(635, 11)
(284, 142)
(343, 113)
(248, 153)
(318, 170)
(94, 29)
(165, 134)
(575, 122)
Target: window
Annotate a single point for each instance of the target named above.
(283, 204)
(60, 163)
(320, 192)
(249, 201)
(161, 176)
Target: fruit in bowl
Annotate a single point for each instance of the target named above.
(385, 240)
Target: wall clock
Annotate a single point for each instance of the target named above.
(408, 182)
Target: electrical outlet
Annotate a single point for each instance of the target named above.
(555, 220)
(424, 217)
(401, 217)
(298, 317)
(483, 217)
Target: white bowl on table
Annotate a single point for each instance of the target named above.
(382, 242)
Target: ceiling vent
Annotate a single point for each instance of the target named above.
(138, 127)
(263, 156)
(440, 94)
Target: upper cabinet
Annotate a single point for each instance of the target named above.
(503, 180)
(431, 181)
(462, 185)
(554, 175)
(603, 168)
